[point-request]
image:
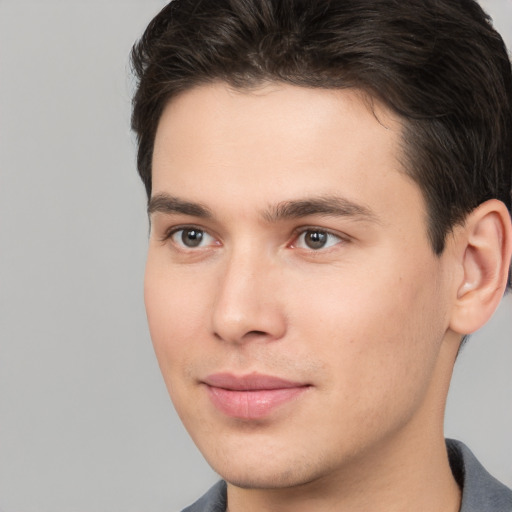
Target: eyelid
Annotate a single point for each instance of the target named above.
(304, 229)
(172, 230)
(168, 232)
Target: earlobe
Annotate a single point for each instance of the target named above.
(485, 259)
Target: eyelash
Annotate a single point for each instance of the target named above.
(169, 234)
(301, 232)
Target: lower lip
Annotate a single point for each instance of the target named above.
(252, 404)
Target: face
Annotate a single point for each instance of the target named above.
(295, 305)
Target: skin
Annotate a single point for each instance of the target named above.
(364, 321)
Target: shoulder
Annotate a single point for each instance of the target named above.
(213, 501)
(480, 490)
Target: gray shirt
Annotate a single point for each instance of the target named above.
(480, 491)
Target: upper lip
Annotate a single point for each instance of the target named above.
(249, 382)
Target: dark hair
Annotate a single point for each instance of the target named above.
(439, 64)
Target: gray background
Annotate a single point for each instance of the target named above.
(85, 421)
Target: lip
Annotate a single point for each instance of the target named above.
(251, 396)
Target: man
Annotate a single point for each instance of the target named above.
(329, 194)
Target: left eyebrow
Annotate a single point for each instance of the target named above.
(333, 206)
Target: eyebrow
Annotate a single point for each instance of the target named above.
(334, 206)
(165, 203)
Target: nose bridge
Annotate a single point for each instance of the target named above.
(246, 304)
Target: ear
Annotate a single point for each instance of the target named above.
(486, 239)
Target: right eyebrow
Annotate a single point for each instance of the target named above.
(167, 204)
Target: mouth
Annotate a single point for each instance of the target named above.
(252, 396)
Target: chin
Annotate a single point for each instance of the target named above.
(262, 475)
(267, 481)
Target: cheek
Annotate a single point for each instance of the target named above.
(374, 331)
(174, 311)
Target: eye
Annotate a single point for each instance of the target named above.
(192, 238)
(316, 239)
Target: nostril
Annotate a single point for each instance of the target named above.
(247, 336)
(256, 333)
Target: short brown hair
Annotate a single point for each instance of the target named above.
(439, 64)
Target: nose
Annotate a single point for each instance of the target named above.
(247, 303)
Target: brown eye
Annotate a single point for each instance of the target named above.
(316, 239)
(191, 237)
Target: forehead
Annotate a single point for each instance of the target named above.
(215, 144)
(217, 111)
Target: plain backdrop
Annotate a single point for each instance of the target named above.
(85, 421)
